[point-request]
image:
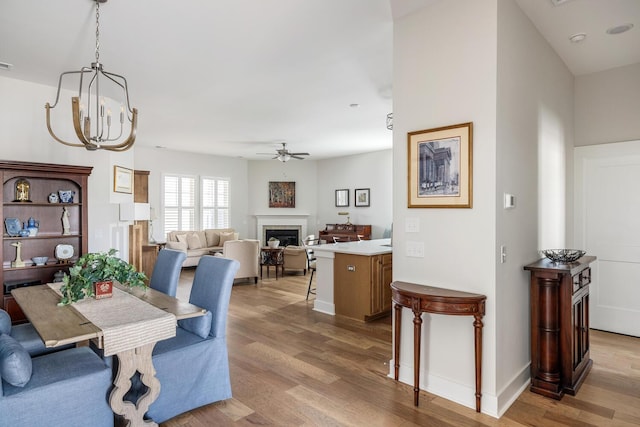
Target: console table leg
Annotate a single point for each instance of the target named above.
(417, 326)
(396, 340)
(477, 324)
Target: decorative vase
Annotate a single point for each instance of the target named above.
(273, 244)
(66, 196)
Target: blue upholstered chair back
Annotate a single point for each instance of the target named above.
(166, 272)
(211, 289)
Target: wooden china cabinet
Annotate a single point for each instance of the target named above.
(39, 199)
(560, 358)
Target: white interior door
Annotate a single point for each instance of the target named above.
(607, 225)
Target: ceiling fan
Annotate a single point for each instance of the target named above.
(285, 155)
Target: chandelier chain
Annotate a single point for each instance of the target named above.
(97, 32)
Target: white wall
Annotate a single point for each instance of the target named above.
(534, 141)
(159, 161)
(370, 170)
(444, 74)
(302, 172)
(607, 106)
(24, 137)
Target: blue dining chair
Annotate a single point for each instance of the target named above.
(166, 272)
(193, 366)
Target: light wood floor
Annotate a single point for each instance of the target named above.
(291, 366)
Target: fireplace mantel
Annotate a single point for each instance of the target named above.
(298, 221)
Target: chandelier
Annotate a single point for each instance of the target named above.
(92, 118)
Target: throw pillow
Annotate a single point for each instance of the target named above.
(5, 322)
(193, 241)
(201, 326)
(224, 237)
(15, 362)
(178, 246)
(213, 237)
(182, 238)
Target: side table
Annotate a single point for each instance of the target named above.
(272, 257)
(427, 299)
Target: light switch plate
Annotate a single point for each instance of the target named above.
(412, 225)
(415, 249)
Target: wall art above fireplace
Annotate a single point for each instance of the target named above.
(282, 194)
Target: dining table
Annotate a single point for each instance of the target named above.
(126, 325)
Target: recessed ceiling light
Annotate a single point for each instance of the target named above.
(5, 66)
(577, 38)
(619, 29)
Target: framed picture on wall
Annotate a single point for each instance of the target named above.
(361, 198)
(282, 194)
(122, 180)
(440, 167)
(342, 198)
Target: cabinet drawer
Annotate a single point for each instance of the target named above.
(576, 282)
(581, 279)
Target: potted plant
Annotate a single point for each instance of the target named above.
(94, 273)
(273, 243)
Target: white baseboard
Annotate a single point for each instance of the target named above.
(464, 394)
(324, 307)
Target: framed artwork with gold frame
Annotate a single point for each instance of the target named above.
(440, 167)
(122, 180)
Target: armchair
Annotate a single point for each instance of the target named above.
(295, 258)
(247, 253)
(193, 366)
(65, 388)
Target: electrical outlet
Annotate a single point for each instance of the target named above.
(503, 254)
(351, 268)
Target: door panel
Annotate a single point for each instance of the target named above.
(607, 225)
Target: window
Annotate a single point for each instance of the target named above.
(179, 203)
(215, 202)
(184, 211)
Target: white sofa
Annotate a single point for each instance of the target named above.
(198, 243)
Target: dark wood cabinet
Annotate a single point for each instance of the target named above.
(345, 232)
(43, 179)
(560, 359)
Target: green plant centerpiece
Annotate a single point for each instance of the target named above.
(96, 267)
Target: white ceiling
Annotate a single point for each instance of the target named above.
(237, 77)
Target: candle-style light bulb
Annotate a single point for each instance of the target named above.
(122, 114)
(109, 117)
(101, 107)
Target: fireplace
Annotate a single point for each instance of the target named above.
(286, 236)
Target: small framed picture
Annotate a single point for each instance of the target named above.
(122, 180)
(342, 198)
(361, 197)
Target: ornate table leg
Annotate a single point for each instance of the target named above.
(129, 362)
(417, 326)
(477, 324)
(396, 340)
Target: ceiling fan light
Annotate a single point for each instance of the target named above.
(284, 157)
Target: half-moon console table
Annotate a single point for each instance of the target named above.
(427, 299)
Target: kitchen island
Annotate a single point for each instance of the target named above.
(353, 279)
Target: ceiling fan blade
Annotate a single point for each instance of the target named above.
(299, 154)
(293, 156)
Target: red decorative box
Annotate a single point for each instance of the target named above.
(103, 289)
